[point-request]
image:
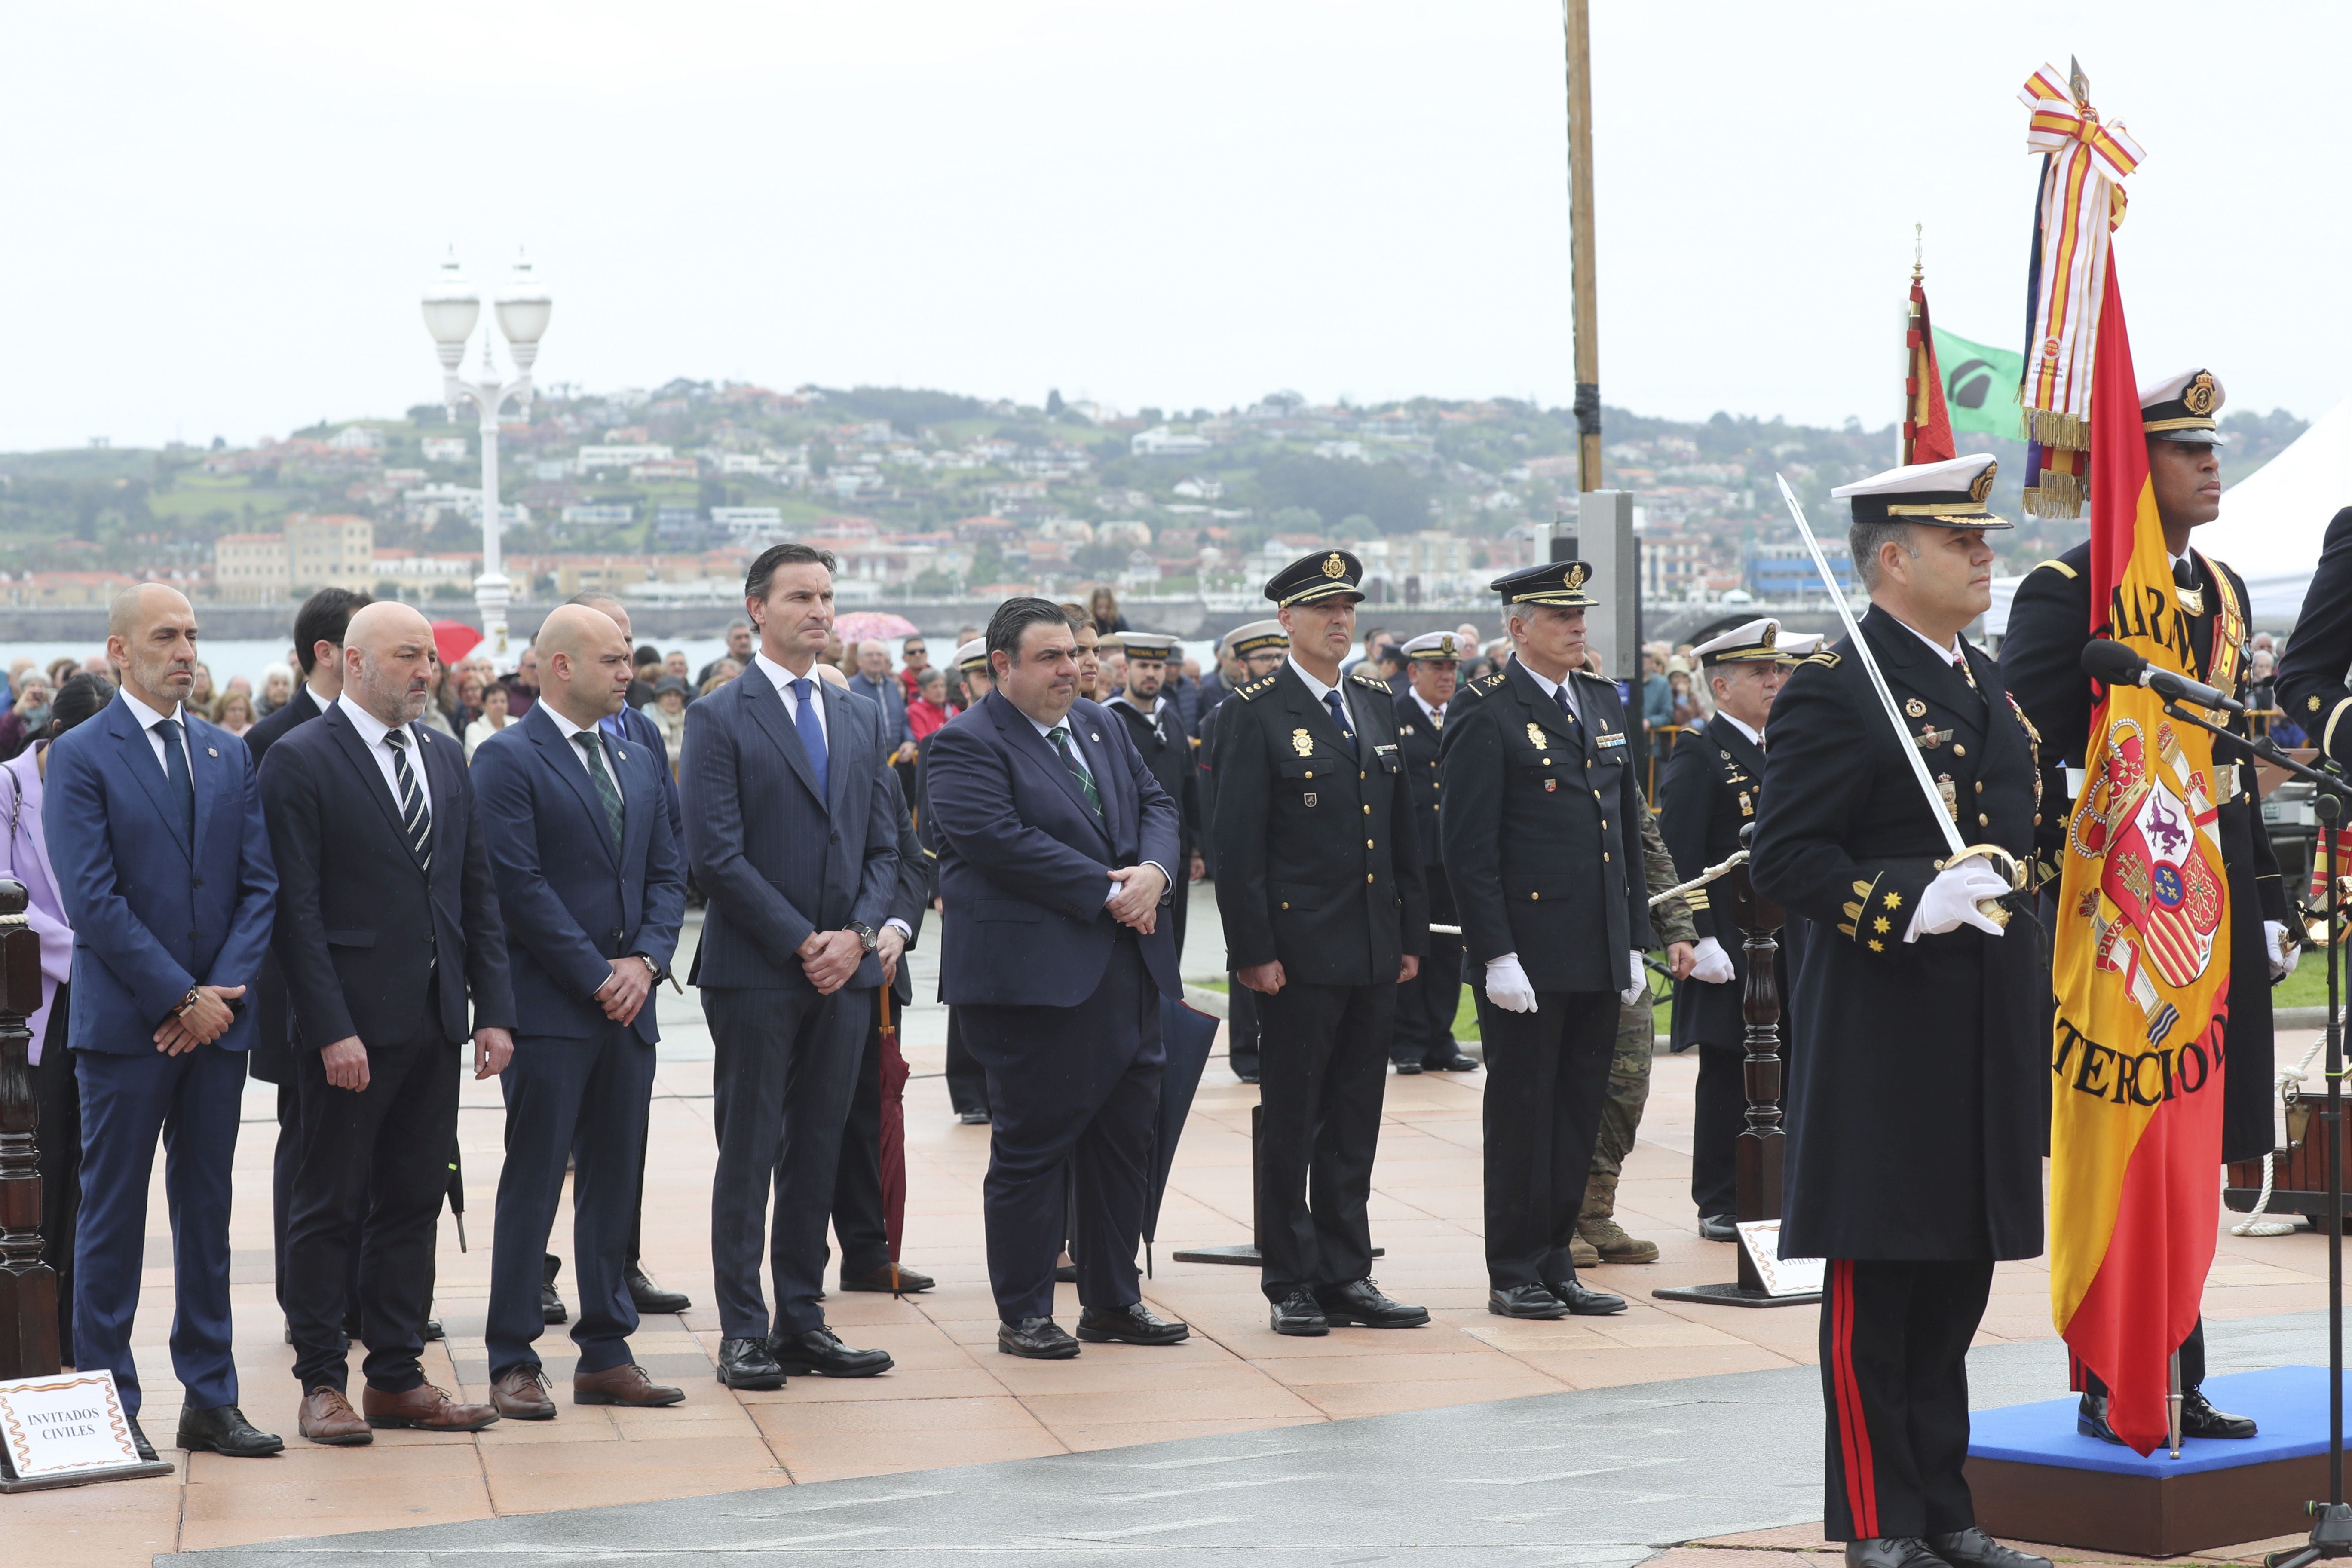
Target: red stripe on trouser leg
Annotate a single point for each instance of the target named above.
(1853, 1428)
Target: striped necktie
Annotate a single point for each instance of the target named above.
(593, 748)
(415, 814)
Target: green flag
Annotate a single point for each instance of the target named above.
(1979, 384)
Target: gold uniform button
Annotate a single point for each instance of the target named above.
(1286, 903)
(1959, 750)
(2037, 819)
(1535, 895)
(1980, 786)
(1310, 773)
(1367, 844)
(1368, 811)
(1547, 762)
(1604, 855)
(1983, 821)
(1367, 876)
(1363, 775)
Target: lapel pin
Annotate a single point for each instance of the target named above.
(210, 751)
(625, 757)
(1094, 738)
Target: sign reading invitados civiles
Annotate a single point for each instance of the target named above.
(63, 1425)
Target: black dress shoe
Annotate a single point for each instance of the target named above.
(901, 1282)
(1973, 1548)
(1891, 1552)
(2091, 1419)
(1134, 1324)
(1526, 1301)
(1726, 1227)
(1457, 1062)
(1408, 1070)
(749, 1363)
(1296, 1313)
(1583, 1301)
(651, 1298)
(2199, 1419)
(551, 1305)
(1038, 1339)
(1245, 1071)
(973, 1118)
(432, 1331)
(223, 1429)
(1360, 1302)
(146, 1450)
(820, 1351)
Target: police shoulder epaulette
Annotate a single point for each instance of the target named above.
(1490, 682)
(1374, 681)
(2063, 570)
(1256, 688)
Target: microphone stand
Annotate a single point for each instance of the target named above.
(2331, 1530)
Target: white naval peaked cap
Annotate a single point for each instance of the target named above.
(1951, 474)
(972, 655)
(1437, 646)
(1756, 642)
(1801, 645)
(1950, 494)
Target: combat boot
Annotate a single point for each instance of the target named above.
(1597, 1225)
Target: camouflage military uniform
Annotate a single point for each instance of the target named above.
(1629, 1080)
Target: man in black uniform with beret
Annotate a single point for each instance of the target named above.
(1543, 847)
(1319, 884)
(1713, 780)
(1256, 650)
(1158, 731)
(1426, 1003)
(1917, 1109)
(2049, 622)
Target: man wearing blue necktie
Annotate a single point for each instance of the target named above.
(792, 831)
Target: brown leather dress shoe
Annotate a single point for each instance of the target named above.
(328, 1417)
(624, 1384)
(426, 1408)
(521, 1391)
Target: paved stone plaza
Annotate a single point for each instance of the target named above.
(1593, 1441)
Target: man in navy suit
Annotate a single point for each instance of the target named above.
(631, 727)
(387, 926)
(161, 860)
(319, 649)
(791, 832)
(592, 890)
(1055, 850)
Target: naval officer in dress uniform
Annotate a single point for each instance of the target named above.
(1713, 781)
(1427, 1002)
(1155, 726)
(2041, 662)
(1319, 885)
(1915, 1112)
(1543, 847)
(1256, 650)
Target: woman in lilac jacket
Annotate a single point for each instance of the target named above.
(25, 855)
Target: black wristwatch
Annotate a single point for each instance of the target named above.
(868, 939)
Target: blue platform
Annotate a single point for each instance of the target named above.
(2035, 1478)
(2289, 1404)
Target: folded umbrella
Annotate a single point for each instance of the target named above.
(1185, 1034)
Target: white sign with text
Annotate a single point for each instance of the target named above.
(66, 1423)
(1782, 1277)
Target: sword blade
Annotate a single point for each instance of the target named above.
(1910, 747)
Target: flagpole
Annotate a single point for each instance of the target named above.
(1579, 244)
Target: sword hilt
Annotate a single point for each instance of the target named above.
(2002, 861)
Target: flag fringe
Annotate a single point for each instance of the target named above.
(2056, 429)
(2058, 494)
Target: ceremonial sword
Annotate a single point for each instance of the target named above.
(2004, 862)
(1738, 857)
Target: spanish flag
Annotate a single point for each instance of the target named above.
(2141, 961)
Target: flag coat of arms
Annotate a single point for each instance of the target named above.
(2140, 961)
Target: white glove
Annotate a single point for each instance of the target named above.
(1714, 964)
(2284, 955)
(1640, 986)
(1951, 901)
(1508, 986)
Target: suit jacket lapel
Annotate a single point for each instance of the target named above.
(207, 772)
(139, 756)
(1933, 677)
(1110, 783)
(1319, 721)
(1546, 708)
(1742, 750)
(355, 751)
(1014, 725)
(838, 779)
(766, 706)
(573, 769)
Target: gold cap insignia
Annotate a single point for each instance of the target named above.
(1333, 566)
(1302, 743)
(1576, 577)
(1772, 633)
(2199, 394)
(1983, 486)
(1445, 649)
(1917, 709)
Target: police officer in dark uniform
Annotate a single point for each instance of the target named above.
(2049, 622)
(1257, 650)
(1543, 847)
(1426, 1003)
(1714, 779)
(1159, 732)
(1916, 1113)
(1319, 885)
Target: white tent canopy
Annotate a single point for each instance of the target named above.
(2271, 525)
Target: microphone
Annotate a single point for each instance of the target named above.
(2113, 663)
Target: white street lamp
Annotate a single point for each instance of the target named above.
(452, 307)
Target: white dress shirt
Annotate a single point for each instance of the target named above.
(148, 718)
(573, 746)
(784, 679)
(1755, 737)
(1552, 688)
(1436, 715)
(372, 732)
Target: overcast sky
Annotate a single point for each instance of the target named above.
(220, 213)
